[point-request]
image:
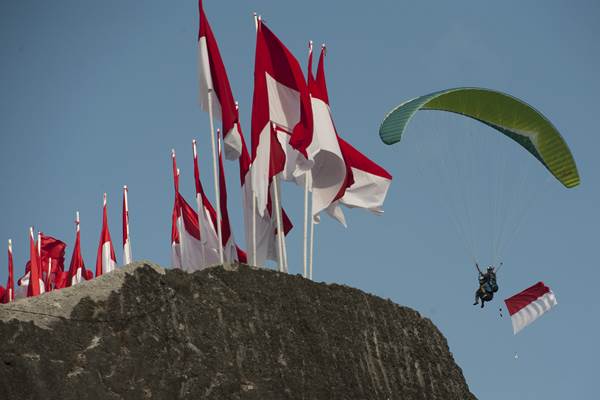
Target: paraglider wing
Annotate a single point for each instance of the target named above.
(530, 304)
(506, 114)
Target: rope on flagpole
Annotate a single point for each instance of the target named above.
(215, 175)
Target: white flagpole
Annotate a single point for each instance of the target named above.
(312, 234)
(10, 290)
(306, 216)
(79, 271)
(254, 229)
(39, 251)
(279, 224)
(215, 175)
(127, 257)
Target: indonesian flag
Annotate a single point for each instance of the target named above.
(528, 305)
(266, 225)
(231, 252)
(213, 78)
(187, 249)
(127, 259)
(105, 260)
(281, 104)
(207, 217)
(368, 187)
(9, 293)
(77, 270)
(175, 242)
(330, 176)
(33, 276)
(52, 261)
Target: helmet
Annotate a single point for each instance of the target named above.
(490, 268)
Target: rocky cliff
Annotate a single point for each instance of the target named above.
(142, 332)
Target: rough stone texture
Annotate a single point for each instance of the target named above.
(221, 333)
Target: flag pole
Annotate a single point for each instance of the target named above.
(39, 251)
(215, 175)
(304, 247)
(312, 233)
(254, 229)
(10, 290)
(278, 217)
(127, 258)
(305, 220)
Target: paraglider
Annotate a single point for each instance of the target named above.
(488, 285)
(521, 124)
(502, 112)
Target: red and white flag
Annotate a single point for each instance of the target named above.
(213, 80)
(329, 172)
(280, 107)
(530, 304)
(186, 245)
(368, 187)
(9, 293)
(207, 217)
(77, 271)
(105, 259)
(52, 261)
(231, 252)
(33, 276)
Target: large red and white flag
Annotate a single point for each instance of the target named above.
(9, 293)
(105, 259)
(127, 258)
(530, 304)
(207, 217)
(176, 220)
(77, 270)
(281, 110)
(214, 85)
(368, 187)
(329, 173)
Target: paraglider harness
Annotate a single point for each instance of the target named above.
(487, 285)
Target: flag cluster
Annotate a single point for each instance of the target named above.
(45, 271)
(293, 138)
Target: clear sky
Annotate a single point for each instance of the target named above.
(93, 95)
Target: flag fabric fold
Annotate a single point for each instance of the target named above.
(105, 259)
(530, 304)
(280, 108)
(214, 85)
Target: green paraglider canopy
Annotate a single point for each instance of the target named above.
(507, 114)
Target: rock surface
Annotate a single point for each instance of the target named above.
(142, 332)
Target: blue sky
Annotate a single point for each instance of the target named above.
(95, 94)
